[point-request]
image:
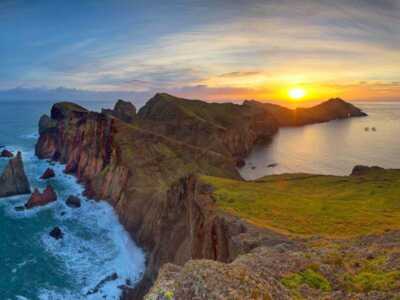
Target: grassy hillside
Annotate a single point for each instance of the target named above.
(304, 204)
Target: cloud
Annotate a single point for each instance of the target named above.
(219, 49)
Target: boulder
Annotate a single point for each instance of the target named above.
(56, 233)
(13, 181)
(73, 202)
(6, 153)
(49, 173)
(40, 199)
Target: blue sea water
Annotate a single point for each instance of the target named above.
(32, 264)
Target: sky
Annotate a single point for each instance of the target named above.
(212, 50)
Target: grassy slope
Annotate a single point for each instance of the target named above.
(303, 204)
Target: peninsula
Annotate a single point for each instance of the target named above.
(170, 172)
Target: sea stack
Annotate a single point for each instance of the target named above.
(13, 181)
(39, 199)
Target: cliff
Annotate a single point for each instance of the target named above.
(13, 181)
(143, 168)
(344, 244)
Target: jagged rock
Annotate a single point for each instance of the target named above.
(56, 233)
(360, 170)
(123, 110)
(49, 173)
(6, 153)
(40, 199)
(13, 181)
(73, 202)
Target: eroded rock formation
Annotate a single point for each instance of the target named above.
(49, 173)
(13, 181)
(40, 199)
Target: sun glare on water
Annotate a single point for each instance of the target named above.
(297, 93)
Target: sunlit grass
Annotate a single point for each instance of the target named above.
(312, 204)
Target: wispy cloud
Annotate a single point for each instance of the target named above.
(222, 49)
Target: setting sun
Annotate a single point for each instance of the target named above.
(297, 93)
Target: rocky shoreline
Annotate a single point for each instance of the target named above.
(145, 165)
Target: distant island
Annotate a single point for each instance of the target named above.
(171, 172)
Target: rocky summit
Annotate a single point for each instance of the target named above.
(149, 168)
(13, 181)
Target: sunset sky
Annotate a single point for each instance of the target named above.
(217, 50)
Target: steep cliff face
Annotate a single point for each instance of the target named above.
(143, 168)
(13, 180)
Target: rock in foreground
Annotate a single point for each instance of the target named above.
(49, 173)
(13, 181)
(40, 199)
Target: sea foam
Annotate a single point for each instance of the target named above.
(95, 245)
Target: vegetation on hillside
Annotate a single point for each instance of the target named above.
(331, 206)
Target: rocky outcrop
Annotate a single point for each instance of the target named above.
(6, 153)
(144, 168)
(40, 199)
(123, 110)
(73, 201)
(56, 233)
(13, 181)
(49, 173)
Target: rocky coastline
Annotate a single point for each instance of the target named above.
(146, 164)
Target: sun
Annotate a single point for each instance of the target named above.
(297, 93)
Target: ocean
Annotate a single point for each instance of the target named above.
(332, 148)
(32, 264)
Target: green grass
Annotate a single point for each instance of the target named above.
(303, 204)
(371, 281)
(308, 277)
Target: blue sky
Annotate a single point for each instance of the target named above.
(221, 49)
